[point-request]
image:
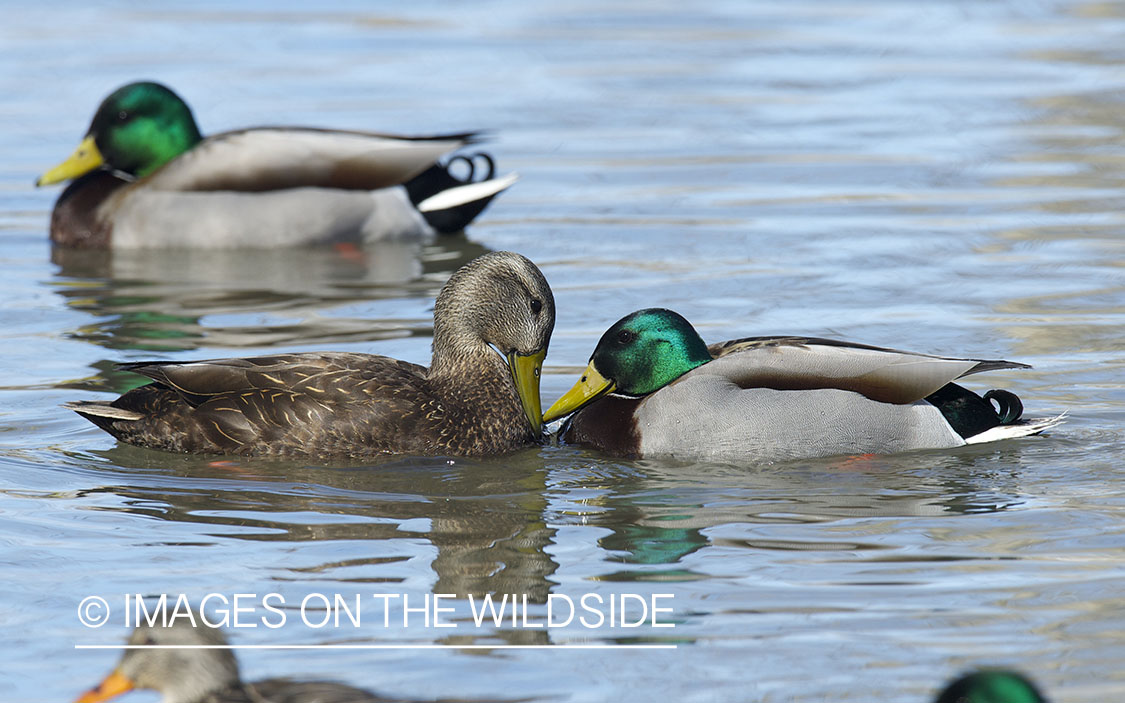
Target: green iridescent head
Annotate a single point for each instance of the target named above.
(638, 355)
(992, 686)
(137, 129)
(647, 350)
(142, 126)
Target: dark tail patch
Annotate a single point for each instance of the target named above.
(440, 177)
(969, 414)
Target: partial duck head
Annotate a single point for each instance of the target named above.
(500, 300)
(180, 675)
(136, 130)
(992, 686)
(640, 354)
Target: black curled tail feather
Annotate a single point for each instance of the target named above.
(969, 414)
(470, 160)
(1009, 406)
(441, 177)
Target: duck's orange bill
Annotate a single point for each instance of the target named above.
(111, 687)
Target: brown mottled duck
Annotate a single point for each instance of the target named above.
(183, 671)
(480, 396)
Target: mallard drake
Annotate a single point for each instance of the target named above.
(146, 177)
(991, 686)
(666, 393)
(468, 402)
(186, 665)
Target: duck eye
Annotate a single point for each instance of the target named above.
(625, 336)
(122, 116)
(149, 641)
(536, 306)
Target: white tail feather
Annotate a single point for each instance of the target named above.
(101, 409)
(1023, 429)
(468, 193)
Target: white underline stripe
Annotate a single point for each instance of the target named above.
(376, 646)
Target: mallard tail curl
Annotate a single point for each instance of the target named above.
(449, 202)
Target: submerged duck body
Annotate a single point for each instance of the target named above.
(654, 388)
(144, 177)
(192, 665)
(471, 401)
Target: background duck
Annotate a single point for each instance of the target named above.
(146, 177)
(660, 390)
(470, 401)
(205, 675)
(991, 686)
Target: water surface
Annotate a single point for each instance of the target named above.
(943, 177)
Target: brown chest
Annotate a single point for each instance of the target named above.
(609, 425)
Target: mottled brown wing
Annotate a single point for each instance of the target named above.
(334, 403)
(287, 691)
(316, 373)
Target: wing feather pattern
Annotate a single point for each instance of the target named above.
(273, 158)
(291, 402)
(808, 363)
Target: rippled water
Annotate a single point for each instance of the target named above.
(944, 177)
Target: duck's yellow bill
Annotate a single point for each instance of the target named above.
(84, 159)
(589, 388)
(112, 686)
(526, 370)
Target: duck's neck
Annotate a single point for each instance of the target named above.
(474, 378)
(203, 679)
(462, 362)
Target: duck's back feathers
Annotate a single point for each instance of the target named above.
(319, 404)
(807, 363)
(289, 691)
(316, 373)
(330, 403)
(274, 158)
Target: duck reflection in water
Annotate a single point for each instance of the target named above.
(156, 301)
